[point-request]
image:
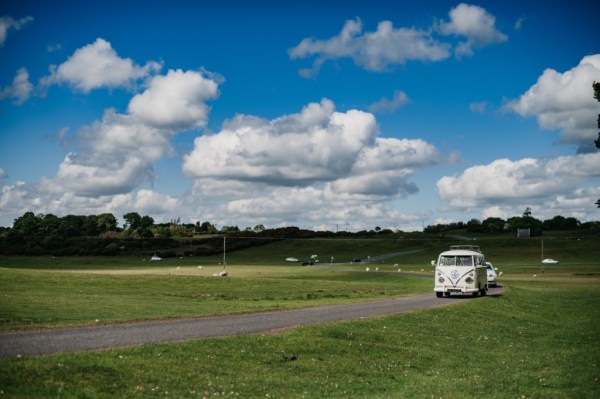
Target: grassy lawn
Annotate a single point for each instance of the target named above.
(540, 339)
(41, 298)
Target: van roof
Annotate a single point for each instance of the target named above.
(460, 252)
(475, 248)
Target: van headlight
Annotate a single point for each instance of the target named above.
(441, 280)
(469, 280)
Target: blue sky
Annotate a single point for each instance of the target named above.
(323, 115)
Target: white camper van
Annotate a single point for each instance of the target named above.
(461, 270)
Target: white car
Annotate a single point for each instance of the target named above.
(549, 261)
(491, 275)
(291, 259)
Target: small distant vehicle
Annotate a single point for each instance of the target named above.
(356, 260)
(291, 259)
(461, 270)
(492, 276)
(155, 258)
(549, 261)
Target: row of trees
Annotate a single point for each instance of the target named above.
(101, 235)
(50, 231)
(41, 227)
(526, 221)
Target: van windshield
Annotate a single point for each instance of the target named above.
(456, 261)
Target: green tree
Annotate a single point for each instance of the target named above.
(207, 227)
(50, 224)
(146, 222)
(474, 226)
(107, 222)
(145, 226)
(526, 222)
(90, 226)
(562, 223)
(27, 225)
(493, 225)
(132, 220)
(71, 225)
(230, 229)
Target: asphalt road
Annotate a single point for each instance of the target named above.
(41, 342)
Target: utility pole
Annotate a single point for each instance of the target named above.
(224, 245)
(542, 254)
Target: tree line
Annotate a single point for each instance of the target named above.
(49, 234)
(101, 235)
(495, 225)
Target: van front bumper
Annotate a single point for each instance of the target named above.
(464, 290)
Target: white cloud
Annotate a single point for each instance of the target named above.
(394, 154)
(565, 102)
(317, 166)
(7, 23)
(20, 89)
(176, 101)
(52, 48)
(578, 203)
(17, 199)
(388, 46)
(98, 65)
(374, 51)
(119, 152)
(317, 144)
(519, 23)
(307, 207)
(475, 24)
(478, 107)
(505, 184)
(118, 155)
(386, 105)
(376, 186)
(23, 197)
(153, 203)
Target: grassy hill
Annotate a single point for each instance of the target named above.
(538, 339)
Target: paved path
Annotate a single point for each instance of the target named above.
(41, 342)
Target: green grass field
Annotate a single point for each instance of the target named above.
(540, 339)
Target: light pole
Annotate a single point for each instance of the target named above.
(224, 246)
(542, 254)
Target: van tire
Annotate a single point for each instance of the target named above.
(439, 294)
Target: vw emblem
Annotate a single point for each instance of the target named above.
(454, 274)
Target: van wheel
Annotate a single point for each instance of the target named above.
(439, 294)
(475, 293)
(483, 291)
